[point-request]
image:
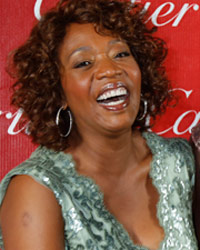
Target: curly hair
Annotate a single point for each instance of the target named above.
(38, 90)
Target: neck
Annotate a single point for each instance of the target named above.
(107, 154)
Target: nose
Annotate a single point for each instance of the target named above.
(107, 69)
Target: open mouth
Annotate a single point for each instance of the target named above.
(113, 97)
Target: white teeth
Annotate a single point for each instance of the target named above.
(114, 103)
(112, 93)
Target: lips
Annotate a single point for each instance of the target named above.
(114, 96)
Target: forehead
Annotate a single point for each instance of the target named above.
(87, 29)
(79, 35)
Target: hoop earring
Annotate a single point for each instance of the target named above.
(145, 109)
(58, 121)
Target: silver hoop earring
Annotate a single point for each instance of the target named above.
(66, 120)
(145, 109)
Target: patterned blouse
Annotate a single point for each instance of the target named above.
(89, 225)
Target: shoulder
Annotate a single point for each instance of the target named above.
(176, 153)
(174, 146)
(28, 211)
(46, 167)
(31, 201)
(24, 190)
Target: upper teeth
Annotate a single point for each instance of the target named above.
(112, 93)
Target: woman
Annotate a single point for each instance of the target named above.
(87, 78)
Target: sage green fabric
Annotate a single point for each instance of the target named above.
(88, 225)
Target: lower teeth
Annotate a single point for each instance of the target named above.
(115, 103)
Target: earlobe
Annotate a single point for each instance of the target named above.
(64, 106)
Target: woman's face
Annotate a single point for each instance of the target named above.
(101, 80)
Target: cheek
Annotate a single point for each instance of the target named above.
(136, 73)
(72, 85)
(133, 71)
(135, 77)
(76, 92)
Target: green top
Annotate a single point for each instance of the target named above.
(88, 225)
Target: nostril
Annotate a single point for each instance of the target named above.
(108, 73)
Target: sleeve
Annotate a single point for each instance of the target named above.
(41, 170)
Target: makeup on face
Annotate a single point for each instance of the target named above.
(100, 78)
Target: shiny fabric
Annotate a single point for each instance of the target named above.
(88, 225)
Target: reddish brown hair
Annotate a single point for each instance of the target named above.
(38, 89)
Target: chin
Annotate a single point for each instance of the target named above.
(119, 127)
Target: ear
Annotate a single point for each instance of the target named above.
(65, 106)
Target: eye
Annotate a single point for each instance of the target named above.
(122, 54)
(82, 64)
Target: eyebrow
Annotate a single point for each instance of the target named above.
(86, 48)
(83, 48)
(115, 41)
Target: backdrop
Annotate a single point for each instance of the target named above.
(178, 23)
